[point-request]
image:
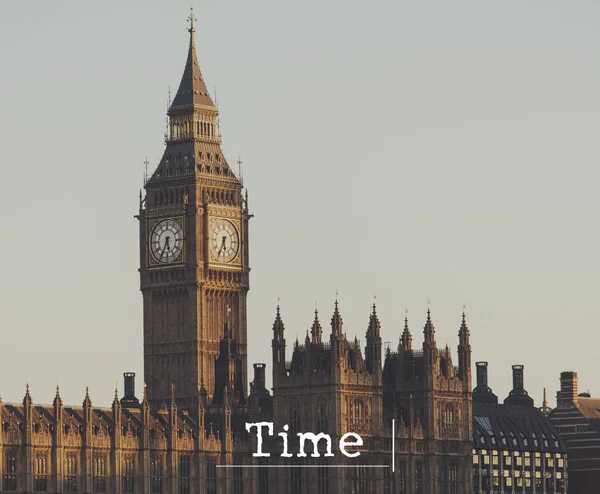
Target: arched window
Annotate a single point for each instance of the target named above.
(358, 414)
(41, 473)
(157, 472)
(129, 474)
(185, 475)
(71, 473)
(448, 417)
(100, 473)
(10, 471)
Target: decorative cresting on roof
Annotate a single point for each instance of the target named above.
(316, 330)
(192, 90)
(336, 322)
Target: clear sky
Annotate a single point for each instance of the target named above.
(416, 150)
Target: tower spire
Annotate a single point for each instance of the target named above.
(336, 321)
(406, 338)
(429, 330)
(463, 332)
(192, 89)
(464, 351)
(316, 330)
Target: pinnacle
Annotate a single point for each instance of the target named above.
(192, 89)
(336, 320)
(278, 324)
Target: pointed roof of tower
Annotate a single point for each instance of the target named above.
(429, 329)
(336, 321)
(192, 89)
(27, 401)
(192, 150)
(406, 338)
(57, 399)
(316, 330)
(374, 326)
(87, 402)
(278, 324)
(463, 332)
(116, 403)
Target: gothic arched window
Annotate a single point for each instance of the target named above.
(41, 473)
(10, 470)
(71, 473)
(100, 473)
(129, 473)
(448, 417)
(358, 414)
(157, 473)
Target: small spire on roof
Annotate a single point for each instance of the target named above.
(406, 338)
(316, 330)
(336, 319)
(429, 329)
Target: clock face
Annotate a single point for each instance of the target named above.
(166, 241)
(224, 240)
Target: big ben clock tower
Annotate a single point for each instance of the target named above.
(193, 256)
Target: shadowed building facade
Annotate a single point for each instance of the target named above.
(577, 420)
(330, 385)
(516, 449)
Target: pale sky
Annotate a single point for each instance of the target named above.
(416, 150)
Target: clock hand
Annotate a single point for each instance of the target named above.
(223, 246)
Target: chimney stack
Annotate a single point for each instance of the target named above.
(518, 395)
(129, 400)
(259, 376)
(482, 374)
(567, 396)
(483, 393)
(518, 379)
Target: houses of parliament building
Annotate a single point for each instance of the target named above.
(186, 431)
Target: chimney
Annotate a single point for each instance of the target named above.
(567, 396)
(483, 393)
(482, 374)
(518, 396)
(259, 376)
(518, 380)
(129, 400)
